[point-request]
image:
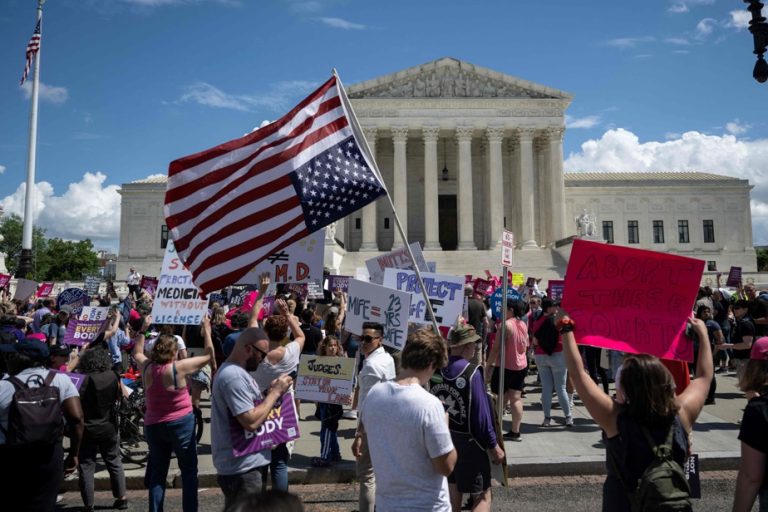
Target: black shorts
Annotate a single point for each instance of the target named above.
(513, 379)
(472, 473)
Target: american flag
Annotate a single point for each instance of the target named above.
(32, 47)
(230, 207)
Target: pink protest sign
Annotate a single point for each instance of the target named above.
(467, 278)
(631, 300)
(483, 286)
(4, 280)
(281, 425)
(45, 289)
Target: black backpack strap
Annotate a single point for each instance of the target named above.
(17, 383)
(49, 378)
(662, 450)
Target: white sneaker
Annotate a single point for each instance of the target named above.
(350, 414)
(570, 400)
(569, 421)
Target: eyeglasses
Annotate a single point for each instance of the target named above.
(263, 354)
(369, 339)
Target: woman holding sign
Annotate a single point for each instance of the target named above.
(169, 424)
(646, 409)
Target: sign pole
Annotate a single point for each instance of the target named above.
(507, 251)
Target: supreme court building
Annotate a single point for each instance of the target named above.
(467, 152)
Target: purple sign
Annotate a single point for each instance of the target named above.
(76, 378)
(338, 283)
(4, 280)
(82, 332)
(75, 298)
(281, 425)
(734, 277)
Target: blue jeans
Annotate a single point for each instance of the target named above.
(553, 376)
(163, 438)
(278, 468)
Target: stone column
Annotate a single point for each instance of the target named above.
(465, 212)
(527, 189)
(513, 193)
(496, 184)
(543, 191)
(431, 231)
(557, 217)
(370, 228)
(400, 192)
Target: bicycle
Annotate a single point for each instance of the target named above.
(133, 445)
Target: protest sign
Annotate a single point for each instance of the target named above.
(94, 313)
(446, 294)
(398, 258)
(76, 378)
(338, 283)
(556, 289)
(92, 284)
(631, 300)
(734, 277)
(24, 289)
(368, 302)
(149, 284)
(325, 379)
(281, 426)
(518, 278)
(432, 266)
(267, 305)
(292, 288)
(177, 300)
(361, 274)
(82, 332)
(315, 290)
(74, 298)
(300, 262)
(467, 278)
(45, 289)
(5, 279)
(497, 301)
(482, 286)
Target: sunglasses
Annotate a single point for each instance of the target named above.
(369, 339)
(263, 354)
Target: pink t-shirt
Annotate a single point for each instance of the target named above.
(516, 344)
(164, 405)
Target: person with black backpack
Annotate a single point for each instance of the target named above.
(646, 427)
(34, 402)
(548, 352)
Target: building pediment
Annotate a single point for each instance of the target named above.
(452, 78)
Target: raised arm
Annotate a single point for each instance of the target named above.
(298, 334)
(691, 401)
(342, 309)
(191, 365)
(138, 347)
(253, 319)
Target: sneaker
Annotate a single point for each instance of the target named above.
(121, 504)
(350, 414)
(547, 422)
(569, 421)
(336, 457)
(570, 399)
(513, 436)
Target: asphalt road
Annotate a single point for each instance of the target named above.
(542, 494)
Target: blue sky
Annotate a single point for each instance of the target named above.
(130, 85)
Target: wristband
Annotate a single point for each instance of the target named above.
(565, 325)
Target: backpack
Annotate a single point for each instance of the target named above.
(35, 415)
(663, 486)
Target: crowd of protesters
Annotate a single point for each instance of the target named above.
(431, 400)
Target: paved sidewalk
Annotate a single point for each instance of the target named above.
(556, 450)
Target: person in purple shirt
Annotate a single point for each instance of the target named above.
(461, 388)
(37, 318)
(8, 325)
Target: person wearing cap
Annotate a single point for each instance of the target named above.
(753, 476)
(33, 473)
(460, 386)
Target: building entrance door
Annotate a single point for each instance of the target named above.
(447, 222)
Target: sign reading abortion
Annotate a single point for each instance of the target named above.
(281, 426)
(446, 294)
(497, 300)
(631, 300)
(325, 379)
(75, 298)
(300, 262)
(398, 258)
(177, 300)
(368, 302)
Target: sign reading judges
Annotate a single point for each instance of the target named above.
(177, 300)
(325, 379)
(631, 300)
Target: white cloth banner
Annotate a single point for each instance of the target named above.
(445, 292)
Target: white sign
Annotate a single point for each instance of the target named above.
(94, 313)
(325, 379)
(398, 258)
(24, 289)
(445, 292)
(300, 262)
(368, 302)
(177, 300)
(507, 248)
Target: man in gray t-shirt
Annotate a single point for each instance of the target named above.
(232, 401)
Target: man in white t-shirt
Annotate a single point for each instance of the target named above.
(402, 414)
(133, 280)
(378, 366)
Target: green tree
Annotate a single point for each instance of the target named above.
(64, 260)
(12, 227)
(762, 260)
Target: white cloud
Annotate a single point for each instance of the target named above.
(680, 41)
(681, 6)
(87, 209)
(739, 19)
(2, 169)
(621, 150)
(343, 24)
(279, 96)
(705, 27)
(156, 175)
(736, 127)
(622, 43)
(581, 122)
(50, 93)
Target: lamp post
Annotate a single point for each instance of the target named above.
(759, 29)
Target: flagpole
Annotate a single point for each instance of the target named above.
(374, 166)
(25, 259)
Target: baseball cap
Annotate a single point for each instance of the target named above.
(30, 347)
(760, 349)
(463, 335)
(59, 350)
